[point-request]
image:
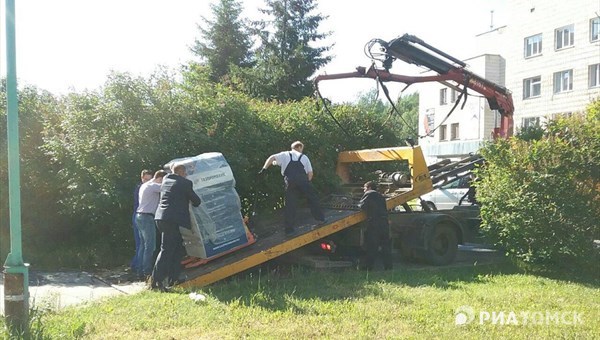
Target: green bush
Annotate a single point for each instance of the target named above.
(541, 198)
(90, 148)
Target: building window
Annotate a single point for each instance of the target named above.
(562, 115)
(563, 81)
(565, 36)
(452, 96)
(594, 75)
(443, 96)
(530, 122)
(443, 135)
(533, 45)
(595, 29)
(532, 87)
(454, 131)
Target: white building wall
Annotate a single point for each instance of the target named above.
(475, 121)
(534, 17)
(502, 60)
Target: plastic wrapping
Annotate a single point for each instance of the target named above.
(217, 224)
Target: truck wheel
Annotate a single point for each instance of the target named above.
(431, 205)
(442, 246)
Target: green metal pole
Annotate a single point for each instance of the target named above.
(16, 292)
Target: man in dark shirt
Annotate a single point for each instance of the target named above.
(378, 230)
(173, 212)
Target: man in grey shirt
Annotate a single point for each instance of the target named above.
(149, 195)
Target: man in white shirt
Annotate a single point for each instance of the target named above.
(144, 218)
(297, 173)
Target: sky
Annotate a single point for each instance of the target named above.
(72, 45)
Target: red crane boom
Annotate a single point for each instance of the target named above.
(415, 51)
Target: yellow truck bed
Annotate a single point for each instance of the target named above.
(275, 243)
(271, 246)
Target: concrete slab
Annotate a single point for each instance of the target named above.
(58, 290)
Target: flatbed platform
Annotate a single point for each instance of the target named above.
(271, 245)
(271, 240)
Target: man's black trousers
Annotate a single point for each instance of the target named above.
(168, 262)
(378, 244)
(293, 190)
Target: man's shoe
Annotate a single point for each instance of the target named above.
(161, 288)
(159, 285)
(164, 289)
(173, 283)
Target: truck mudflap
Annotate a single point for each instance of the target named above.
(430, 236)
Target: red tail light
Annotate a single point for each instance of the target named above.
(328, 246)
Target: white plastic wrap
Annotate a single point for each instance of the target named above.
(217, 224)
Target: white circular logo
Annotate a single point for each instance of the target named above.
(464, 315)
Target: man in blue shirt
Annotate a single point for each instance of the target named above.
(145, 176)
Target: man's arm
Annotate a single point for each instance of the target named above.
(364, 202)
(269, 162)
(192, 196)
(308, 167)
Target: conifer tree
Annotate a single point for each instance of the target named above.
(289, 53)
(226, 40)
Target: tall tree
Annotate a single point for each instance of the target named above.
(287, 56)
(408, 124)
(225, 41)
(403, 121)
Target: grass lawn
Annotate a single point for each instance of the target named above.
(302, 303)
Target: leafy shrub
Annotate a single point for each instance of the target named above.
(541, 198)
(530, 133)
(95, 144)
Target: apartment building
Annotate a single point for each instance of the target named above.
(553, 60)
(463, 131)
(548, 55)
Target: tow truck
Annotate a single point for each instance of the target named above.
(434, 235)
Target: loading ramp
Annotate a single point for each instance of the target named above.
(271, 246)
(275, 244)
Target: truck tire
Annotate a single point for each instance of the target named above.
(431, 205)
(442, 245)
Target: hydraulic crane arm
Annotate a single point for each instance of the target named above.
(415, 51)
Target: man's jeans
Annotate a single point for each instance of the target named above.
(135, 263)
(147, 232)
